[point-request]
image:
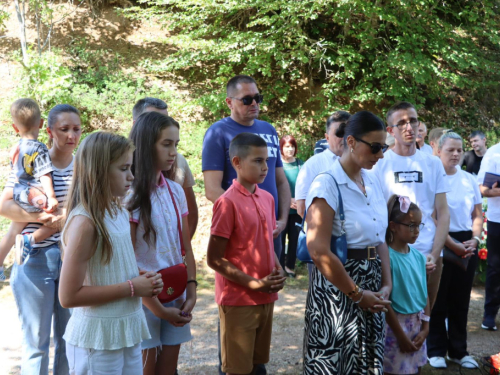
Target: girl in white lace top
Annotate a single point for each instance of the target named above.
(100, 278)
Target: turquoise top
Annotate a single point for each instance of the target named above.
(291, 172)
(409, 281)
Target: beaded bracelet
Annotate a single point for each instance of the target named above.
(131, 288)
(354, 292)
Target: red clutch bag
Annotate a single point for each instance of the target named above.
(175, 277)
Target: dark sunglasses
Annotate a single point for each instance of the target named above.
(375, 146)
(247, 100)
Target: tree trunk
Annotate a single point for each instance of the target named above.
(21, 17)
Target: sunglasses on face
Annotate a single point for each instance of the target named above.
(248, 100)
(375, 146)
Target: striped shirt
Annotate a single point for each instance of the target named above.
(61, 179)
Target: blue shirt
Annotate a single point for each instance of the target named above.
(409, 281)
(215, 154)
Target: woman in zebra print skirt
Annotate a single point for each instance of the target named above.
(344, 320)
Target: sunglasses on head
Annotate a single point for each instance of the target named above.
(247, 100)
(375, 146)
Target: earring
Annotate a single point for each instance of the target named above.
(352, 149)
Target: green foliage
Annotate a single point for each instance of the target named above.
(311, 57)
(4, 16)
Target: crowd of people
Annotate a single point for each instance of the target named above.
(102, 239)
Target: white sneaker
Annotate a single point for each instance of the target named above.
(437, 362)
(466, 362)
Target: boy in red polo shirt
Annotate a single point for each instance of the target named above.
(240, 250)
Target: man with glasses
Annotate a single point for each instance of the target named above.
(407, 171)
(243, 99)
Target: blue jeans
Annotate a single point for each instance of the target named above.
(35, 286)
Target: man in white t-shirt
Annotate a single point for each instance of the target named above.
(407, 171)
(422, 133)
(491, 163)
(321, 161)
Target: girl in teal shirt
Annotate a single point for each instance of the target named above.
(408, 316)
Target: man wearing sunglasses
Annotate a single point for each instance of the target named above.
(320, 162)
(243, 99)
(407, 171)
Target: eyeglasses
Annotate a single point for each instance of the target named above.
(412, 226)
(247, 100)
(414, 123)
(375, 146)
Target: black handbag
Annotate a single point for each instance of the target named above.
(450, 257)
(338, 245)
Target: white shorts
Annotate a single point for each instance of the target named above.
(125, 361)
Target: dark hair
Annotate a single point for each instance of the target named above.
(57, 110)
(339, 116)
(397, 107)
(144, 135)
(395, 214)
(232, 84)
(143, 104)
(288, 139)
(359, 124)
(477, 133)
(240, 145)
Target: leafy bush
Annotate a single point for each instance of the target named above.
(312, 57)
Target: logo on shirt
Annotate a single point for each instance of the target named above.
(29, 163)
(272, 152)
(408, 177)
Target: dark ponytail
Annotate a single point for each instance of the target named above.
(359, 124)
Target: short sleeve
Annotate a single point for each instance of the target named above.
(181, 201)
(11, 181)
(487, 165)
(442, 185)
(323, 187)
(213, 156)
(477, 193)
(188, 177)
(135, 216)
(223, 218)
(279, 162)
(42, 164)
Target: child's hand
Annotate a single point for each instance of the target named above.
(405, 345)
(176, 317)
(52, 205)
(148, 284)
(272, 283)
(188, 305)
(430, 265)
(419, 339)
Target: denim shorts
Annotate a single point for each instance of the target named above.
(164, 333)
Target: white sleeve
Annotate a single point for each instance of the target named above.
(442, 184)
(304, 180)
(477, 194)
(487, 165)
(324, 187)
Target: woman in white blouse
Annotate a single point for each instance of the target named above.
(344, 326)
(466, 222)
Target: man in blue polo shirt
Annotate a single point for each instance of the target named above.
(243, 99)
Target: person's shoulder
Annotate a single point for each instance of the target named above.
(264, 125)
(265, 195)
(417, 255)
(493, 150)
(219, 125)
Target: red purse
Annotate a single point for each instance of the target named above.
(175, 277)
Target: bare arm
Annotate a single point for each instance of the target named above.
(383, 253)
(191, 268)
(319, 230)
(48, 188)
(490, 193)
(301, 207)
(193, 210)
(216, 260)
(213, 182)
(81, 238)
(443, 225)
(284, 199)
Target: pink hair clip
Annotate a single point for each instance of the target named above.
(404, 203)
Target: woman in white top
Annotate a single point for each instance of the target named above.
(99, 278)
(343, 320)
(466, 222)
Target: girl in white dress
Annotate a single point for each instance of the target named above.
(100, 279)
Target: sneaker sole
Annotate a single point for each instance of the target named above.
(19, 247)
(494, 328)
(466, 364)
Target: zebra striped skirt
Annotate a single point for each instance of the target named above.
(341, 338)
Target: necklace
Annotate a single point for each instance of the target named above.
(362, 183)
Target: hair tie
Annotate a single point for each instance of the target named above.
(404, 203)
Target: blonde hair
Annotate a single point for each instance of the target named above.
(91, 183)
(25, 114)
